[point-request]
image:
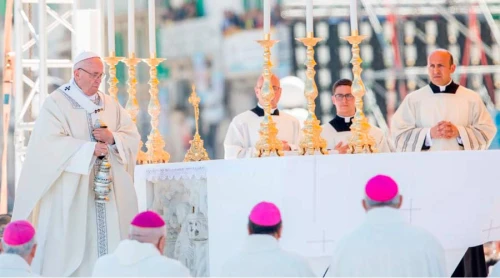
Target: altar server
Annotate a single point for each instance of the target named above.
(338, 131)
(442, 116)
(243, 132)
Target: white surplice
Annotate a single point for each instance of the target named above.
(386, 245)
(14, 266)
(55, 190)
(333, 137)
(243, 133)
(262, 257)
(135, 259)
(423, 109)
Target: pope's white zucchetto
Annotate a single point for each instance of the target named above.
(84, 56)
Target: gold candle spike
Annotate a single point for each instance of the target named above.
(311, 140)
(360, 141)
(155, 143)
(112, 61)
(268, 143)
(196, 152)
(132, 105)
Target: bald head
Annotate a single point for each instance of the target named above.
(275, 83)
(440, 67)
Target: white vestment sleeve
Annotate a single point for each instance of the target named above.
(481, 130)
(235, 143)
(407, 137)
(118, 149)
(81, 162)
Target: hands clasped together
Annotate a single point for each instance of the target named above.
(104, 137)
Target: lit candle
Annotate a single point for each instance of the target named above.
(267, 16)
(354, 15)
(152, 29)
(111, 26)
(131, 26)
(309, 16)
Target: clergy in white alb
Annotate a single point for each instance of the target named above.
(141, 254)
(442, 116)
(55, 190)
(243, 131)
(261, 255)
(385, 245)
(19, 244)
(337, 132)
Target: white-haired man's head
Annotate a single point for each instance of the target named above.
(381, 191)
(149, 227)
(19, 239)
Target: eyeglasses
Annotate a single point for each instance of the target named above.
(94, 75)
(339, 97)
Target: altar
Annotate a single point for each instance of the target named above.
(454, 195)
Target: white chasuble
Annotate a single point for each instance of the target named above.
(426, 107)
(55, 190)
(243, 132)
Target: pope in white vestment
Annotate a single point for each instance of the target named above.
(442, 116)
(261, 255)
(337, 132)
(141, 254)
(55, 190)
(243, 131)
(385, 245)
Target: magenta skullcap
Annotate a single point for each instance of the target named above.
(381, 188)
(148, 219)
(265, 214)
(18, 233)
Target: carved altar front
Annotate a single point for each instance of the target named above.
(180, 196)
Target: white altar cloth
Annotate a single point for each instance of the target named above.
(454, 195)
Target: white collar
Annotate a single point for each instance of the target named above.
(346, 119)
(259, 243)
(443, 88)
(272, 110)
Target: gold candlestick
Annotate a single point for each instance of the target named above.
(112, 61)
(268, 143)
(132, 105)
(361, 141)
(311, 140)
(155, 143)
(196, 152)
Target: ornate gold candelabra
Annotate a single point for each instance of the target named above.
(268, 143)
(311, 140)
(132, 105)
(155, 143)
(112, 61)
(360, 141)
(196, 152)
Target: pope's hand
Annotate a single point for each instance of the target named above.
(101, 149)
(103, 135)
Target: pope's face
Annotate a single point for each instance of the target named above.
(89, 75)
